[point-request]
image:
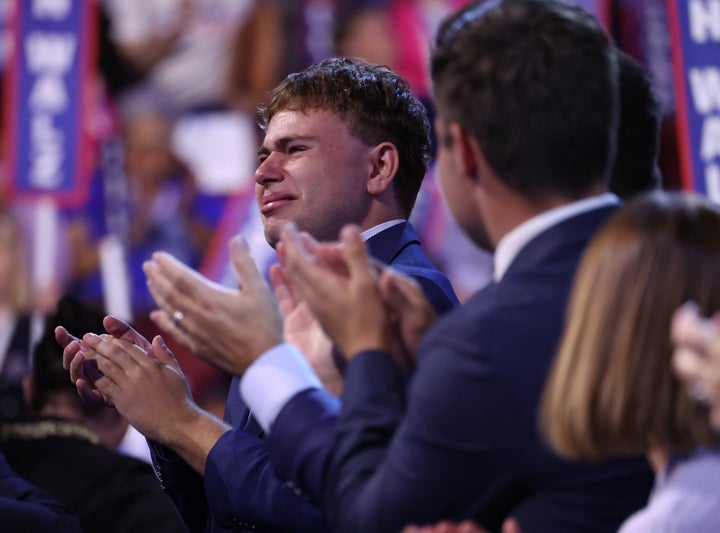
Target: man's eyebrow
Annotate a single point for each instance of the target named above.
(282, 142)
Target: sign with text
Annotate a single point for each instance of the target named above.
(695, 34)
(47, 144)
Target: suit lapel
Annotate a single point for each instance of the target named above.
(389, 243)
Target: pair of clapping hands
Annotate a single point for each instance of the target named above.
(317, 287)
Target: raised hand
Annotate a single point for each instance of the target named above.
(80, 360)
(82, 367)
(410, 311)
(339, 286)
(696, 358)
(149, 389)
(302, 330)
(229, 328)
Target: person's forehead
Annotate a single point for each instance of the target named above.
(303, 123)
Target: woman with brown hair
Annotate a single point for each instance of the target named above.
(611, 390)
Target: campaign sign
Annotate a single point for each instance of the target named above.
(695, 34)
(47, 148)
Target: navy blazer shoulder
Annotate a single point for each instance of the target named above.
(399, 247)
(24, 507)
(463, 443)
(258, 497)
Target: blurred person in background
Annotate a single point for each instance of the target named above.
(635, 169)
(154, 197)
(24, 507)
(211, 61)
(16, 317)
(69, 447)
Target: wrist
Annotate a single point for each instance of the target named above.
(380, 342)
(193, 438)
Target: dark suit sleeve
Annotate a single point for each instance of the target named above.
(302, 439)
(184, 486)
(24, 507)
(244, 490)
(394, 465)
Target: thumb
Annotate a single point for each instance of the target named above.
(162, 353)
(283, 293)
(355, 253)
(243, 263)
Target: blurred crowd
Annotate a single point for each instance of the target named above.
(178, 86)
(174, 121)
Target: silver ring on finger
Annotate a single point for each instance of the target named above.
(177, 318)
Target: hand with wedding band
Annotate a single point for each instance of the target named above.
(177, 317)
(696, 358)
(229, 328)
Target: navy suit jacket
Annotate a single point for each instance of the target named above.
(461, 442)
(23, 507)
(242, 488)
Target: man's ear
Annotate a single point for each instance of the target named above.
(465, 151)
(385, 163)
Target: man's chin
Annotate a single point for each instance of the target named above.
(273, 230)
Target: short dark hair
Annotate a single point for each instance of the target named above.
(535, 83)
(377, 105)
(635, 169)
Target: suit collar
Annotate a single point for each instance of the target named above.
(512, 243)
(569, 236)
(389, 243)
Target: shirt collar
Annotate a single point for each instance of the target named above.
(511, 244)
(368, 233)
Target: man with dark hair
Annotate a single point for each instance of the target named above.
(345, 142)
(527, 116)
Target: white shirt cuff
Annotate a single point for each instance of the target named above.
(273, 379)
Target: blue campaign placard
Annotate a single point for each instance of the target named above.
(47, 80)
(695, 34)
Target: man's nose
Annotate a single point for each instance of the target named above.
(269, 169)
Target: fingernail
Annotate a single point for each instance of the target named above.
(161, 341)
